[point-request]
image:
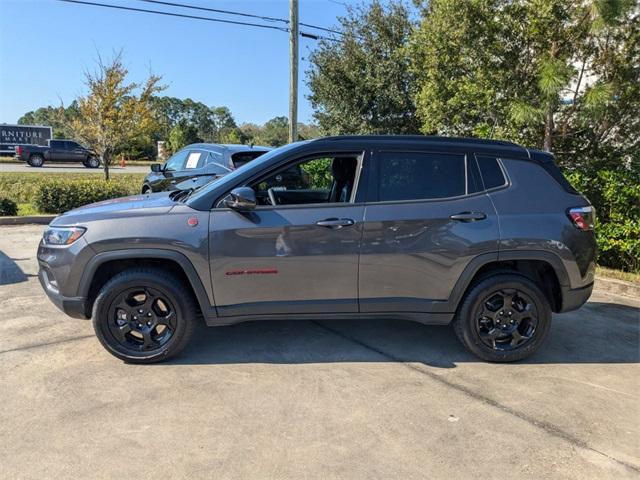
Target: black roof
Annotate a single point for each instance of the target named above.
(480, 145)
(421, 138)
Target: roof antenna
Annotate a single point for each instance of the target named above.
(494, 116)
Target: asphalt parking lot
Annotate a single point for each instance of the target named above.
(68, 168)
(368, 399)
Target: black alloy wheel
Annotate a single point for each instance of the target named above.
(142, 319)
(506, 319)
(145, 315)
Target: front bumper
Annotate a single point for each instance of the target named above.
(73, 306)
(572, 299)
(59, 275)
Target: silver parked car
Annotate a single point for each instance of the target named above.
(197, 164)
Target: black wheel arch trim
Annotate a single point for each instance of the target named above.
(206, 305)
(480, 261)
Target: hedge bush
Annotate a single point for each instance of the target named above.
(58, 196)
(22, 187)
(8, 208)
(615, 194)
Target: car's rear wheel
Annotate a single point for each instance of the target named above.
(146, 189)
(503, 318)
(92, 162)
(144, 315)
(36, 160)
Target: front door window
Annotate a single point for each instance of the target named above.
(325, 179)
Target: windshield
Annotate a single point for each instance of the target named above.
(255, 165)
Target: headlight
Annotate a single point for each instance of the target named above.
(62, 235)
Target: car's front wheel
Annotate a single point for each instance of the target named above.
(144, 315)
(503, 318)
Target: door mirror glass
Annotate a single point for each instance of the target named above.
(156, 167)
(241, 198)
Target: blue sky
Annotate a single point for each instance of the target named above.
(45, 46)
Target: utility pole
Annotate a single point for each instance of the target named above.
(293, 74)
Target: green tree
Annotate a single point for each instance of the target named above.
(542, 72)
(212, 124)
(59, 118)
(361, 83)
(112, 115)
(275, 132)
(181, 135)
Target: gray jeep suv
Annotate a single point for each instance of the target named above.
(486, 235)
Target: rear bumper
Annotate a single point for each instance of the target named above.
(72, 306)
(572, 299)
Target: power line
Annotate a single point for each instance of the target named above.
(242, 14)
(172, 14)
(195, 17)
(217, 10)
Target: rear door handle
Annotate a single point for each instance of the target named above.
(335, 223)
(468, 216)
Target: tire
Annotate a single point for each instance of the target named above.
(146, 189)
(503, 318)
(91, 162)
(161, 331)
(36, 160)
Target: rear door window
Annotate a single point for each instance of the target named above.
(214, 164)
(419, 175)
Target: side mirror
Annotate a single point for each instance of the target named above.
(241, 198)
(156, 167)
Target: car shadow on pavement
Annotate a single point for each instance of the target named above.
(598, 333)
(10, 272)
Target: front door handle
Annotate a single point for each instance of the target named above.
(468, 216)
(335, 223)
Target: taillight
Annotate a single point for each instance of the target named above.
(583, 218)
(18, 150)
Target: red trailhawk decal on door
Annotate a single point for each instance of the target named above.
(253, 271)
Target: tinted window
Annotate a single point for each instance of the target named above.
(491, 172)
(241, 158)
(71, 145)
(56, 143)
(413, 176)
(176, 162)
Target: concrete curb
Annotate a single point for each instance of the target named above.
(618, 287)
(27, 220)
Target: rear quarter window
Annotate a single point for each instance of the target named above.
(491, 172)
